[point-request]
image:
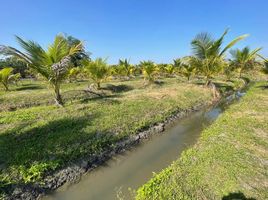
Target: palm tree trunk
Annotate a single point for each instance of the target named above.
(207, 81)
(6, 86)
(240, 73)
(58, 98)
(98, 85)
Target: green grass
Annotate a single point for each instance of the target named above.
(230, 161)
(37, 137)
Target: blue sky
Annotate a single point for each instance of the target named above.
(135, 29)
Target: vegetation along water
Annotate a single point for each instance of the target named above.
(63, 114)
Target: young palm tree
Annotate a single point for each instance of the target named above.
(73, 73)
(149, 70)
(228, 71)
(187, 69)
(125, 67)
(209, 54)
(265, 70)
(52, 64)
(244, 59)
(170, 69)
(98, 71)
(6, 76)
(265, 64)
(185, 66)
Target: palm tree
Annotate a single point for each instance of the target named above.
(170, 69)
(98, 71)
(149, 70)
(125, 67)
(187, 68)
(228, 71)
(73, 73)
(52, 64)
(244, 59)
(6, 76)
(209, 54)
(265, 70)
(265, 64)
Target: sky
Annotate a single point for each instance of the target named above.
(158, 30)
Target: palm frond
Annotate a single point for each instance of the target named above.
(232, 43)
(200, 44)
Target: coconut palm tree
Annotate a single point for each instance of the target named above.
(244, 59)
(209, 54)
(73, 73)
(265, 63)
(52, 64)
(126, 68)
(6, 77)
(170, 69)
(149, 70)
(98, 71)
(265, 70)
(228, 71)
(187, 68)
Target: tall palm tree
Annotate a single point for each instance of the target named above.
(98, 71)
(244, 59)
(52, 64)
(209, 54)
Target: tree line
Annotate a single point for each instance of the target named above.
(67, 60)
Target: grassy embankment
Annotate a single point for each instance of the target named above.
(230, 161)
(36, 136)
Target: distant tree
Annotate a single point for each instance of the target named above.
(265, 64)
(244, 59)
(73, 73)
(53, 64)
(170, 69)
(265, 69)
(18, 65)
(125, 68)
(185, 66)
(149, 70)
(209, 56)
(79, 57)
(6, 77)
(228, 71)
(98, 71)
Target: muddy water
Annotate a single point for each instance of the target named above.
(135, 167)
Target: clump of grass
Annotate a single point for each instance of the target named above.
(230, 159)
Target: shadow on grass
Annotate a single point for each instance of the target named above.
(118, 88)
(57, 142)
(103, 99)
(236, 196)
(29, 86)
(159, 82)
(33, 87)
(264, 87)
(223, 86)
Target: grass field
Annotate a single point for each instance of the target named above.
(230, 161)
(37, 137)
